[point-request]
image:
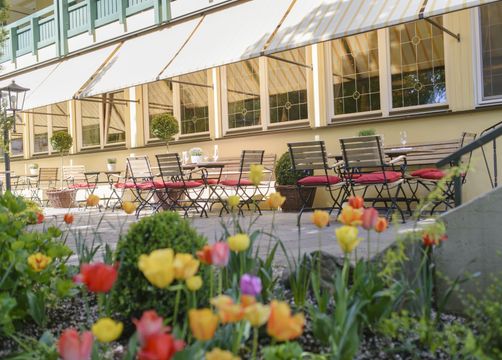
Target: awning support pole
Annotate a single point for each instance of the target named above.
(442, 28)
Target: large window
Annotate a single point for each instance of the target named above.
(160, 101)
(243, 94)
(48, 120)
(103, 119)
(355, 73)
(417, 64)
(491, 50)
(287, 86)
(194, 98)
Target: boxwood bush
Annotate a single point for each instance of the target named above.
(132, 293)
(284, 174)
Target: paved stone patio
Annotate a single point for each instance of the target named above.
(104, 228)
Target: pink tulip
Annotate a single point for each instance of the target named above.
(72, 346)
(149, 324)
(369, 219)
(220, 254)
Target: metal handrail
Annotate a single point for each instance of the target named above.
(488, 135)
(494, 179)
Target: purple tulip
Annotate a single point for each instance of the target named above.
(250, 285)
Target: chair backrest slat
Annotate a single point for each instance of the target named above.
(48, 174)
(308, 156)
(74, 172)
(251, 157)
(169, 165)
(139, 167)
(362, 151)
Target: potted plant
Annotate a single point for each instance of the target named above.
(111, 164)
(165, 126)
(195, 155)
(285, 183)
(366, 132)
(33, 168)
(63, 198)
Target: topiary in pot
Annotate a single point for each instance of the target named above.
(132, 293)
(285, 184)
(165, 126)
(61, 141)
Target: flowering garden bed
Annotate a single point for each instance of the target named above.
(164, 293)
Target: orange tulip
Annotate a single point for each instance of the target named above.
(228, 311)
(282, 326)
(357, 202)
(247, 300)
(93, 200)
(68, 218)
(205, 255)
(351, 216)
(381, 225)
(203, 323)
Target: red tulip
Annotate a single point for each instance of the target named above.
(220, 254)
(381, 225)
(40, 218)
(71, 346)
(430, 240)
(160, 347)
(205, 255)
(68, 218)
(369, 218)
(356, 202)
(150, 324)
(98, 277)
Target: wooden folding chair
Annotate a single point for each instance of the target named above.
(309, 157)
(47, 179)
(365, 168)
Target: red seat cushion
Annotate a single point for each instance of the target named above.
(378, 177)
(127, 185)
(319, 180)
(177, 184)
(419, 172)
(433, 175)
(212, 181)
(147, 185)
(82, 186)
(243, 182)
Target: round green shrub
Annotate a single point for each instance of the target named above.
(284, 175)
(61, 141)
(165, 126)
(132, 293)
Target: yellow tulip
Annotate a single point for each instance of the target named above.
(320, 218)
(203, 323)
(39, 261)
(233, 200)
(158, 267)
(351, 216)
(347, 238)
(185, 266)
(238, 242)
(107, 330)
(256, 174)
(93, 200)
(128, 207)
(218, 354)
(228, 311)
(257, 314)
(275, 201)
(194, 283)
(283, 326)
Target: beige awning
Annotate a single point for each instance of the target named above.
(438, 7)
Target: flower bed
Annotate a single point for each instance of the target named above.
(166, 294)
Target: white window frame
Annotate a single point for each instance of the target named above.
(102, 140)
(224, 101)
(386, 108)
(50, 150)
(478, 61)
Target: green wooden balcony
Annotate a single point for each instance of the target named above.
(64, 19)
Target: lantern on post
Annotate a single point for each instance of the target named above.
(12, 97)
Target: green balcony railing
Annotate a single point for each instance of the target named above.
(67, 18)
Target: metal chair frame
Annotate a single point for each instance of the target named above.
(142, 177)
(47, 178)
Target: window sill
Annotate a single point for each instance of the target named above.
(289, 124)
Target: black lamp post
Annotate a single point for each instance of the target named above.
(12, 100)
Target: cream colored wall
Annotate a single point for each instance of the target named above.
(432, 127)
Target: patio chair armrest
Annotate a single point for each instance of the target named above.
(338, 164)
(398, 159)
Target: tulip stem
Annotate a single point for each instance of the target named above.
(176, 305)
(211, 280)
(255, 343)
(220, 282)
(237, 340)
(368, 244)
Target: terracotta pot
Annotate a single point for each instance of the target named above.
(167, 200)
(62, 198)
(293, 201)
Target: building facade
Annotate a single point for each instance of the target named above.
(433, 76)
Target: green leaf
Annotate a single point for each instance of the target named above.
(63, 287)
(36, 308)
